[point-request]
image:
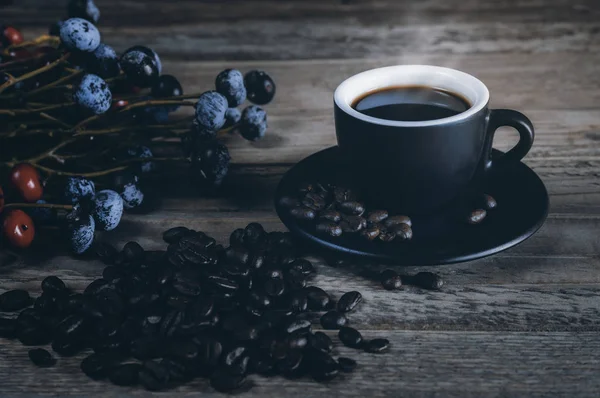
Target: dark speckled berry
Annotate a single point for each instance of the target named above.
(210, 110)
(253, 125)
(81, 234)
(139, 67)
(141, 151)
(85, 9)
(79, 34)
(108, 209)
(103, 62)
(210, 162)
(167, 86)
(232, 116)
(78, 188)
(260, 87)
(230, 83)
(151, 53)
(93, 94)
(132, 196)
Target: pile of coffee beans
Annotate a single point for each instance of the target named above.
(197, 309)
(337, 210)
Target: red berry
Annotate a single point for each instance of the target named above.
(26, 181)
(1, 199)
(11, 36)
(120, 104)
(18, 228)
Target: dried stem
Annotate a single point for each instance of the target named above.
(38, 206)
(55, 120)
(44, 39)
(34, 73)
(56, 83)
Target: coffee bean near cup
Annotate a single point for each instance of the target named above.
(415, 137)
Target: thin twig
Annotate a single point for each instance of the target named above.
(38, 206)
(55, 120)
(56, 83)
(34, 73)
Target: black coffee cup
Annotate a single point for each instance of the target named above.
(417, 166)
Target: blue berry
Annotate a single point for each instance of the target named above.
(260, 87)
(167, 86)
(210, 111)
(232, 117)
(210, 161)
(195, 135)
(108, 209)
(40, 214)
(132, 195)
(93, 94)
(151, 53)
(140, 68)
(141, 151)
(77, 189)
(230, 83)
(81, 234)
(85, 9)
(79, 34)
(254, 123)
(103, 62)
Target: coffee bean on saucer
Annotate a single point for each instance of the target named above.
(390, 280)
(330, 215)
(377, 346)
(352, 208)
(402, 231)
(476, 216)
(370, 233)
(427, 280)
(386, 235)
(314, 201)
(329, 227)
(303, 213)
(489, 202)
(396, 220)
(289, 202)
(306, 188)
(377, 216)
(353, 223)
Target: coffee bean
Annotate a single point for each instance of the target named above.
(333, 320)
(321, 342)
(390, 280)
(98, 366)
(274, 287)
(66, 346)
(254, 235)
(329, 227)
(377, 345)
(96, 287)
(54, 286)
(223, 284)
(314, 201)
(210, 351)
(41, 358)
(352, 208)
(370, 233)
(298, 301)
(303, 266)
(173, 235)
(322, 366)
(298, 327)
(295, 279)
(291, 365)
(428, 280)
(106, 252)
(289, 202)
(303, 213)
(154, 376)
(347, 365)
(403, 231)
(318, 299)
(476, 216)
(125, 375)
(489, 202)
(15, 300)
(341, 195)
(296, 342)
(377, 216)
(262, 365)
(353, 223)
(178, 371)
(330, 215)
(237, 254)
(225, 382)
(348, 301)
(133, 252)
(386, 235)
(350, 337)
(46, 304)
(8, 328)
(395, 220)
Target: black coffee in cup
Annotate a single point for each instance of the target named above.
(411, 103)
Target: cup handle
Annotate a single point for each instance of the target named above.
(507, 117)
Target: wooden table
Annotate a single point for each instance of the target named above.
(521, 323)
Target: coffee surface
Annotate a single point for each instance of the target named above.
(411, 103)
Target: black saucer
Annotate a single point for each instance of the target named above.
(439, 238)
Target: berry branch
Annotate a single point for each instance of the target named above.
(12, 81)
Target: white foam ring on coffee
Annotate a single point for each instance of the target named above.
(469, 87)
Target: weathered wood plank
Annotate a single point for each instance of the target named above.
(419, 364)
